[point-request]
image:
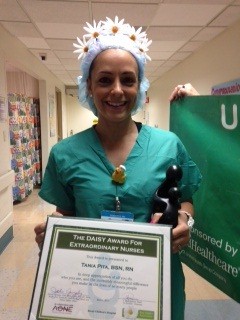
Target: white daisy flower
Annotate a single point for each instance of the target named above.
(137, 35)
(93, 30)
(96, 33)
(143, 48)
(82, 47)
(113, 27)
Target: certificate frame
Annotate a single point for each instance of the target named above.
(98, 269)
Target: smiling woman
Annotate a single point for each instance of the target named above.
(123, 162)
(106, 35)
(113, 86)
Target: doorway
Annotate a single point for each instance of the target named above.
(59, 114)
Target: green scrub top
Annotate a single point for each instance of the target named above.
(78, 179)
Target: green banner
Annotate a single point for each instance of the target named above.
(209, 127)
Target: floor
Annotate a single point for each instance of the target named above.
(19, 264)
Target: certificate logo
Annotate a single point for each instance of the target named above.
(61, 308)
(130, 313)
(133, 313)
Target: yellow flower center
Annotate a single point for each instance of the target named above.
(96, 34)
(114, 29)
(133, 37)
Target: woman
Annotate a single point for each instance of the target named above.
(80, 177)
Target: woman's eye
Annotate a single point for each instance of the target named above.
(129, 81)
(104, 80)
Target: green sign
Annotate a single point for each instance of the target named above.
(209, 127)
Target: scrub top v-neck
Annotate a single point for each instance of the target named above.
(78, 174)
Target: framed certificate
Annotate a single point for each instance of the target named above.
(97, 269)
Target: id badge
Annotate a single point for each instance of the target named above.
(117, 215)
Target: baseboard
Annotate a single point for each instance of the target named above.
(6, 239)
(212, 310)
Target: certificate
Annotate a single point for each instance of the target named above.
(97, 269)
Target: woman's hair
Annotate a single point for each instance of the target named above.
(111, 34)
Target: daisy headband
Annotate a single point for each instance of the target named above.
(111, 34)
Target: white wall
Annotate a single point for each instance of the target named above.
(6, 174)
(78, 118)
(4, 128)
(217, 62)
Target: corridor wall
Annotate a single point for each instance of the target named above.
(12, 51)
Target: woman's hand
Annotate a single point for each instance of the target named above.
(183, 90)
(180, 234)
(40, 230)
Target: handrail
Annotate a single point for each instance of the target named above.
(6, 179)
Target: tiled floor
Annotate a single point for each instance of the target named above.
(19, 260)
(19, 264)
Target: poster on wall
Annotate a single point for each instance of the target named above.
(210, 129)
(52, 115)
(93, 269)
(226, 88)
(3, 113)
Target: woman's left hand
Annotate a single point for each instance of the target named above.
(180, 234)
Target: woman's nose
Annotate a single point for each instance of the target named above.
(116, 88)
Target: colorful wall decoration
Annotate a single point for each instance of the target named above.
(25, 143)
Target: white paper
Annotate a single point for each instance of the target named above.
(93, 269)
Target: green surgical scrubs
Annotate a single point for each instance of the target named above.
(78, 179)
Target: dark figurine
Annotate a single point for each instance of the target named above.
(167, 197)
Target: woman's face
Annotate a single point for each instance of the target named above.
(113, 84)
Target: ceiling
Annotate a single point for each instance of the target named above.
(177, 27)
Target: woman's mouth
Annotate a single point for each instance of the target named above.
(116, 104)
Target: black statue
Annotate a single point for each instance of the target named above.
(167, 197)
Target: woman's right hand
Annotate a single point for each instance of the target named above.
(40, 230)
